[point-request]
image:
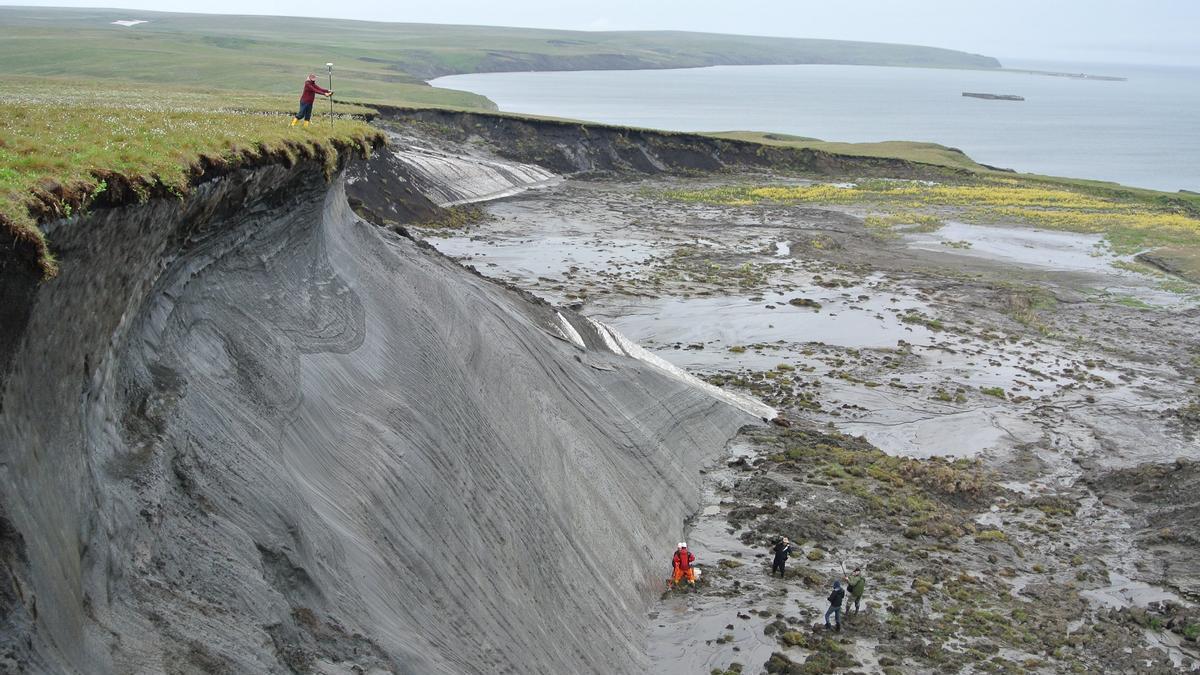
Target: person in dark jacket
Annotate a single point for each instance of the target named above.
(835, 605)
(782, 550)
(681, 565)
(307, 96)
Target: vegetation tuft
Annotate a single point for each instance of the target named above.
(919, 497)
(1131, 220)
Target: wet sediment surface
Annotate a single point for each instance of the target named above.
(1038, 359)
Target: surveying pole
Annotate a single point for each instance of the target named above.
(329, 67)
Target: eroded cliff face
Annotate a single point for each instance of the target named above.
(249, 432)
(412, 181)
(586, 148)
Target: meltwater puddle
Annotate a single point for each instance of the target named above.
(1049, 249)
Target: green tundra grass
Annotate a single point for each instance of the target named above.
(59, 139)
(381, 62)
(1131, 221)
(925, 153)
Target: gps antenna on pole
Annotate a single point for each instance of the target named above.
(329, 67)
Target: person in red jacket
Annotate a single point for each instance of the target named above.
(682, 562)
(307, 96)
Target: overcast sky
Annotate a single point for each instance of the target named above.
(1112, 31)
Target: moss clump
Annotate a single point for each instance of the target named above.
(990, 535)
(793, 638)
(804, 302)
(456, 217)
(922, 497)
(911, 221)
(827, 656)
(914, 317)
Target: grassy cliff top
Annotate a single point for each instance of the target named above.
(67, 145)
(913, 151)
(383, 62)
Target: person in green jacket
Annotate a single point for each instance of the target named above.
(856, 583)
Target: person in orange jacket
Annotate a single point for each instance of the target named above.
(682, 564)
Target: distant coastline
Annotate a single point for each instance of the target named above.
(1057, 130)
(1073, 76)
(993, 97)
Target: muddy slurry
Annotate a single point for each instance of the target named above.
(998, 423)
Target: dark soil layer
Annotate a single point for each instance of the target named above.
(53, 200)
(571, 148)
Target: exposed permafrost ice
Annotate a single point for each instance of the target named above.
(128, 22)
(568, 331)
(623, 345)
(606, 334)
(451, 180)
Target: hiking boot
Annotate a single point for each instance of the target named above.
(827, 626)
(294, 120)
(839, 628)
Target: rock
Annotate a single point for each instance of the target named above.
(1160, 262)
(804, 302)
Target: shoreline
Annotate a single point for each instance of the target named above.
(925, 114)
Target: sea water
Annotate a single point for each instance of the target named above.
(1144, 131)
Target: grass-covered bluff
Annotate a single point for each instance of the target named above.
(67, 146)
(384, 62)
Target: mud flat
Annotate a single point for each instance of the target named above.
(986, 417)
